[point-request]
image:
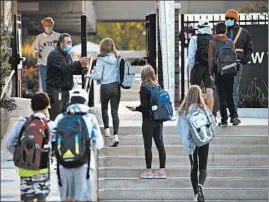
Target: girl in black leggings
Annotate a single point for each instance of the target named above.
(197, 155)
(150, 128)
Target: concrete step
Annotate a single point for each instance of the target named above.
(178, 160)
(138, 150)
(179, 201)
(179, 194)
(219, 139)
(181, 182)
(231, 130)
(184, 171)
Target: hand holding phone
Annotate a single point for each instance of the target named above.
(131, 108)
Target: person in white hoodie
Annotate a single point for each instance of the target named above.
(78, 188)
(198, 60)
(106, 73)
(43, 45)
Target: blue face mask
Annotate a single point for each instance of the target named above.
(230, 23)
(68, 48)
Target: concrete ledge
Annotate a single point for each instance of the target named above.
(259, 113)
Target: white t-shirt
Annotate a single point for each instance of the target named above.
(44, 44)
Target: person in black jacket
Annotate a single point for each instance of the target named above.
(60, 74)
(243, 46)
(150, 127)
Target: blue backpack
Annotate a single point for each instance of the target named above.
(161, 106)
(126, 75)
(225, 58)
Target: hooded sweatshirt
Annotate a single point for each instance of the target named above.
(106, 69)
(222, 38)
(193, 46)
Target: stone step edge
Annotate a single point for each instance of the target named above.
(169, 200)
(187, 189)
(185, 178)
(175, 135)
(186, 156)
(242, 146)
(188, 167)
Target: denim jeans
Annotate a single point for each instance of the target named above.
(42, 77)
(237, 86)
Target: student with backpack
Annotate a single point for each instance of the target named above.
(155, 108)
(196, 126)
(75, 132)
(198, 60)
(223, 63)
(106, 73)
(29, 141)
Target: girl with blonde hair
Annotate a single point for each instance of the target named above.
(106, 72)
(150, 127)
(198, 155)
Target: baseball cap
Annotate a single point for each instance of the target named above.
(79, 96)
(203, 23)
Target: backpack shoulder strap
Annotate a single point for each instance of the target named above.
(238, 34)
(229, 41)
(147, 87)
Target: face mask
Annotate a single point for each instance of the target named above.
(48, 29)
(68, 48)
(230, 23)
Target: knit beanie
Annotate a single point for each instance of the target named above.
(231, 13)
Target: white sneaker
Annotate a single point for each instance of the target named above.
(195, 198)
(107, 132)
(115, 141)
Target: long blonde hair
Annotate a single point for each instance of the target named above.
(106, 46)
(194, 96)
(148, 76)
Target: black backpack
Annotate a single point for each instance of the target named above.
(202, 48)
(72, 146)
(225, 58)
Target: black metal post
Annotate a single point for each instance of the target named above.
(83, 41)
(151, 40)
(160, 62)
(182, 59)
(14, 62)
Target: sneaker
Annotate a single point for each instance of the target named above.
(159, 174)
(115, 141)
(200, 193)
(195, 197)
(223, 123)
(107, 132)
(235, 121)
(146, 175)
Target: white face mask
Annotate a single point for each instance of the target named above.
(48, 30)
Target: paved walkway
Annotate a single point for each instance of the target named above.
(10, 182)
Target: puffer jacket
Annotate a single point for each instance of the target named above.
(243, 46)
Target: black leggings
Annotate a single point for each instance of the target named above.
(110, 92)
(151, 128)
(199, 159)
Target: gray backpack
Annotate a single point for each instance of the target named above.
(225, 58)
(201, 127)
(126, 75)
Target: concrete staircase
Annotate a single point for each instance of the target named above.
(237, 167)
